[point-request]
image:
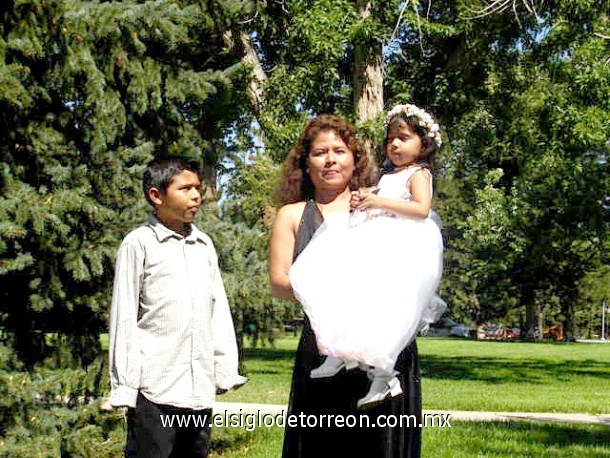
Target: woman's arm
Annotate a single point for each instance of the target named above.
(281, 250)
(417, 208)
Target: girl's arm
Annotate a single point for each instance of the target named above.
(281, 250)
(417, 208)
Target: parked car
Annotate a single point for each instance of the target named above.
(446, 327)
(461, 330)
(440, 328)
(513, 333)
(497, 332)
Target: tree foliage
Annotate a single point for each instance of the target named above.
(242, 253)
(90, 91)
(522, 94)
(50, 412)
(548, 135)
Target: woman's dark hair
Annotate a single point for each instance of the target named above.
(295, 183)
(159, 173)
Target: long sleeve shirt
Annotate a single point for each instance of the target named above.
(171, 331)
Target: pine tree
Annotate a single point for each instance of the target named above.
(89, 92)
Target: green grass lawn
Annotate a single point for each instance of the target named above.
(511, 376)
(508, 440)
(462, 440)
(469, 375)
(462, 375)
(269, 371)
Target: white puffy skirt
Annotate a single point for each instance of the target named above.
(369, 289)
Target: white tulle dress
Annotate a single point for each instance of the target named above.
(369, 288)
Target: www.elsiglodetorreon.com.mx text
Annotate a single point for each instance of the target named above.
(251, 421)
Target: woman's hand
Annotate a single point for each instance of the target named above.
(354, 200)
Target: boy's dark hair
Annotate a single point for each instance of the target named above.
(159, 173)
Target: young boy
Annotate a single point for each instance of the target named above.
(172, 342)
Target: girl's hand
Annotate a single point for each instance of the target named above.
(364, 198)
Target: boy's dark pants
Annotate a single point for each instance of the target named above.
(148, 437)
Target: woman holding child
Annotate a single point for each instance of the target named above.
(319, 175)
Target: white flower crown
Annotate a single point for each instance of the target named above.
(424, 120)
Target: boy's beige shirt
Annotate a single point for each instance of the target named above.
(171, 331)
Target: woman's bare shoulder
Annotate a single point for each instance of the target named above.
(288, 217)
(291, 212)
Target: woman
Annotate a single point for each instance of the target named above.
(318, 178)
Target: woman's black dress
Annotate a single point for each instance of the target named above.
(317, 404)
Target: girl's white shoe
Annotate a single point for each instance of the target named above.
(331, 367)
(383, 385)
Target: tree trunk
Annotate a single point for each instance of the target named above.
(258, 78)
(208, 185)
(255, 91)
(530, 313)
(368, 87)
(256, 86)
(568, 312)
(541, 325)
(368, 76)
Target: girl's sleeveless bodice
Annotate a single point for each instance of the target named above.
(395, 185)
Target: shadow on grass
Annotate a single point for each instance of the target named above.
(587, 439)
(222, 441)
(268, 354)
(468, 367)
(505, 370)
(237, 442)
(558, 435)
(508, 440)
(267, 361)
(464, 439)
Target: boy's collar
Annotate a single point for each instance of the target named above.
(163, 233)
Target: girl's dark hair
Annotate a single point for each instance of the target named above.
(295, 183)
(429, 147)
(159, 173)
